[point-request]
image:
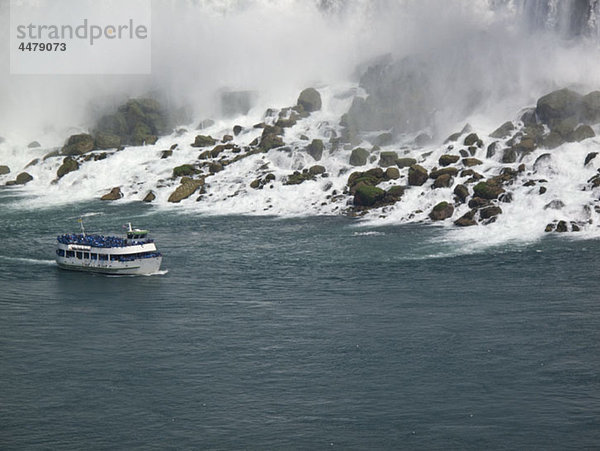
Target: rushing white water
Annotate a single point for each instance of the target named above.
(486, 60)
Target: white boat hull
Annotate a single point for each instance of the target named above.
(135, 267)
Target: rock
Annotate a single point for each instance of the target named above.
(387, 159)
(564, 127)
(471, 173)
(417, 175)
(437, 172)
(33, 145)
(591, 107)
(461, 192)
(114, 194)
(298, 177)
(447, 160)
(487, 190)
(384, 139)
(315, 149)
(394, 194)
(478, 202)
(78, 144)
(489, 212)
(184, 170)
(188, 187)
(4, 170)
(453, 137)
(466, 220)
(525, 145)
(441, 211)
(422, 139)
(236, 103)
(529, 117)
(237, 129)
(589, 157)
(492, 149)
(359, 157)
(204, 155)
(32, 163)
(317, 169)
(562, 227)
(582, 132)
(68, 165)
(150, 196)
(166, 154)
(542, 190)
(105, 140)
(215, 167)
(468, 162)
(543, 162)
(472, 139)
(21, 179)
(206, 123)
(203, 141)
(367, 196)
(552, 140)
(556, 204)
(270, 141)
(509, 155)
(405, 162)
(310, 100)
(558, 105)
(392, 173)
(226, 138)
(504, 131)
(443, 181)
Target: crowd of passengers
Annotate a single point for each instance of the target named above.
(97, 240)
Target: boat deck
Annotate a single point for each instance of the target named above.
(99, 240)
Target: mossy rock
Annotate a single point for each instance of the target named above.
(105, 140)
(367, 196)
(69, 165)
(443, 171)
(310, 100)
(315, 149)
(405, 162)
(317, 169)
(188, 187)
(395, 192)
(447, 160)
(417, 175)
(298, 177)
(392, 173)
(461, 192)
(441, 211)
(487, 190)
(184, 170)
(359, 157)
(387, 159)
(78, 144)
(204, 141)
(443, 181)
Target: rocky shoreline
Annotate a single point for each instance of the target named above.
(562, 116)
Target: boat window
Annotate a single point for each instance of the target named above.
(71, 254)
(60, 252)
(103, 257)
(114, 258)
(86, 255)
(79, 255)
(94, 256)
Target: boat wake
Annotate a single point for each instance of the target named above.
(28, 260)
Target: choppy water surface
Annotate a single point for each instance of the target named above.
(305, 333)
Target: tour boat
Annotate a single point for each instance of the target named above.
(133, 253)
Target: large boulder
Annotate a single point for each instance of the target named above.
(270, 141)
(367, 196)
(22, 179)
(114, 194)
(310, 100)
(204, 141)
(405, 162)
(591, 107)
(4, 169)
(487, 190)
(78, 144)
(184, 170)
(447, 160)
(387, 159)
(359, 157)
(582, 132)
(558, 105)
(441, 211)
(69, 164)
(315, 149)
(504, 131)
(104, 140)
(188, 187)
(417, 175)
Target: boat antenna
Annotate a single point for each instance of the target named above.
(80, 221)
